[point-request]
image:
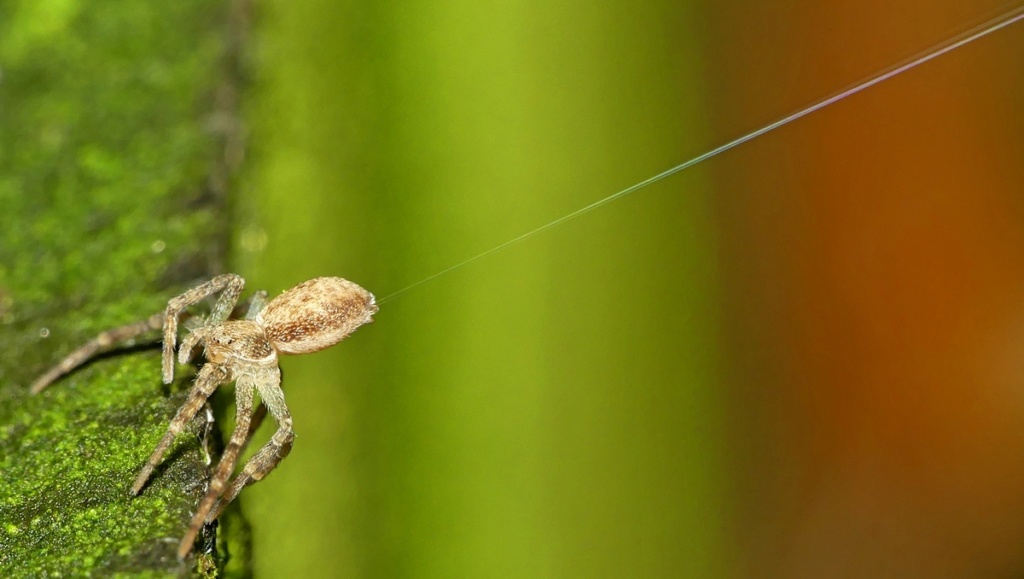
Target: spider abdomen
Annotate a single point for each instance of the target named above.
(316, 314)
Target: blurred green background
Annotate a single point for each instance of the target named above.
(552, 410)
(768, 365)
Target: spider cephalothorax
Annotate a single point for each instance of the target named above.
(311, 316)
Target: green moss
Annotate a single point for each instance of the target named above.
(108, 211)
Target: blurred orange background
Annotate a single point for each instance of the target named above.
(875, 276)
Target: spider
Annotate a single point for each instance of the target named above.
(311, 316)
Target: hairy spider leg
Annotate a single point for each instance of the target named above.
(229, 284)
(209, 378)
(107, 338)
(244, 393)
(257, 302)
(102, 341)
(273, 452)
(257, 420)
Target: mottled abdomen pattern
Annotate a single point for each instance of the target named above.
(316, 314)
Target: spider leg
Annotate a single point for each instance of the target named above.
(231, 287)
(206, 382)
(102, 341)
(257, 420)
(268, 457)
(243, 414)
(257, 302)
(198, 334)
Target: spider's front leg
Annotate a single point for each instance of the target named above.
(230, 284)
(244, 394)
(206, 382)
(272, 453)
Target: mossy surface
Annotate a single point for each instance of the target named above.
(112, 142)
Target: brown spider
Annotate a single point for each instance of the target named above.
(311, 316)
